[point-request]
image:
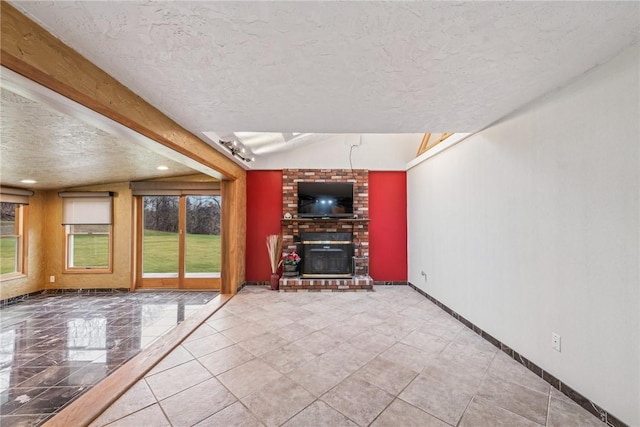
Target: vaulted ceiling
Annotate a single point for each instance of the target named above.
(293, 68)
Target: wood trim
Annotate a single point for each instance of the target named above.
(138, 242)
(85, 409)
(31, 51)
(182, 236)
(234, 211)
(423, 144)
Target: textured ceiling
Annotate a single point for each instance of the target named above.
(59, 151)
(334, 67)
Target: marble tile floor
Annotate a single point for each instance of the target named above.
(383, 358)
(54, 347)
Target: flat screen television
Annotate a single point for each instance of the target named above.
(325, 199)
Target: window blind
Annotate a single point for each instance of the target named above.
(87, 208)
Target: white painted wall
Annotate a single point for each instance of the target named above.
(532, 226)
(371, 151)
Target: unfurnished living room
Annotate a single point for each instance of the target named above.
(319, 213)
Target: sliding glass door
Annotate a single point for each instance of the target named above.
(179, 242)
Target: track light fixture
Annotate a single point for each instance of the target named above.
(238, 150)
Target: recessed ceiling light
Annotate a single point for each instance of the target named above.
(163, 168)
(28, 181)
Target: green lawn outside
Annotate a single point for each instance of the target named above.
(90, 250)
(7, 255)
(160, 252)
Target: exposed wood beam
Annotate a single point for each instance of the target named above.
(423, 144)
(29, 50)
(428, 143)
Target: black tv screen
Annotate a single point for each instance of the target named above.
(325, 199)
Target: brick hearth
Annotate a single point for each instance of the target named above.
(355, 284)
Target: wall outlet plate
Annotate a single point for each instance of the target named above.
(52, 279)
(555, 341)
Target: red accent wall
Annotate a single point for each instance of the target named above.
(264, 211)
(388, 226)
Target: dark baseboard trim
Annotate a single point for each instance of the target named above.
(14, 300)
(568, 391)
(87, 291)
(253, 284)
(375, 282)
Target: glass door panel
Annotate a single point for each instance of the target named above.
(202, 240)
(161, 236)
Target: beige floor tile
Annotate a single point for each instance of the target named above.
(347, 358)
(389, 376)
(223, 360)
(194, 404)
(358, 400)
(372, 342)
(469, 354)
(278, 401)
(235, 415)
(482, 413)
(565, 412)
(176, 379)
(202, 331)
(249, 377)
(515, 398)
(317, 343)
(440, 400)
(318, 376)
(428, 343)
(137, 397)
(227, 322)
(177, 357)
(287, 358)
(244, 332)
(319, 414)
(316, 321)
(208, 344)
(400, 413)
(149, 416)
(294, 331)
(407, 356)
(419, 312)
(263, 343)
(449, 372)
(343, 331)
(505, 368)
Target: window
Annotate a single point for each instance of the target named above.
(12, 244)
(88, 246)
(87, 220)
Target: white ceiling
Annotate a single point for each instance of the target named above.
(279, 76)
(60, 144)
(340, 67)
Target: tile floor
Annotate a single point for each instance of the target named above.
(54, 347)
(383, 358)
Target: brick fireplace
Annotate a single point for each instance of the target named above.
(323, 264)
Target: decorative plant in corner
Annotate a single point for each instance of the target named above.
(274, 247)
(290, 262)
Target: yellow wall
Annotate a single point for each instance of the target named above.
(122, 241)
(34, 280)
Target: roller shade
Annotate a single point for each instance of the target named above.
(174, 188)
(87, 208)
(15, 195)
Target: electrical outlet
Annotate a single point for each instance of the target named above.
(52, 279)
(555, 341)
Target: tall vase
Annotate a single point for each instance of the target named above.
(275, 281)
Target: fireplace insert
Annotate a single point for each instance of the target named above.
(326, 255)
